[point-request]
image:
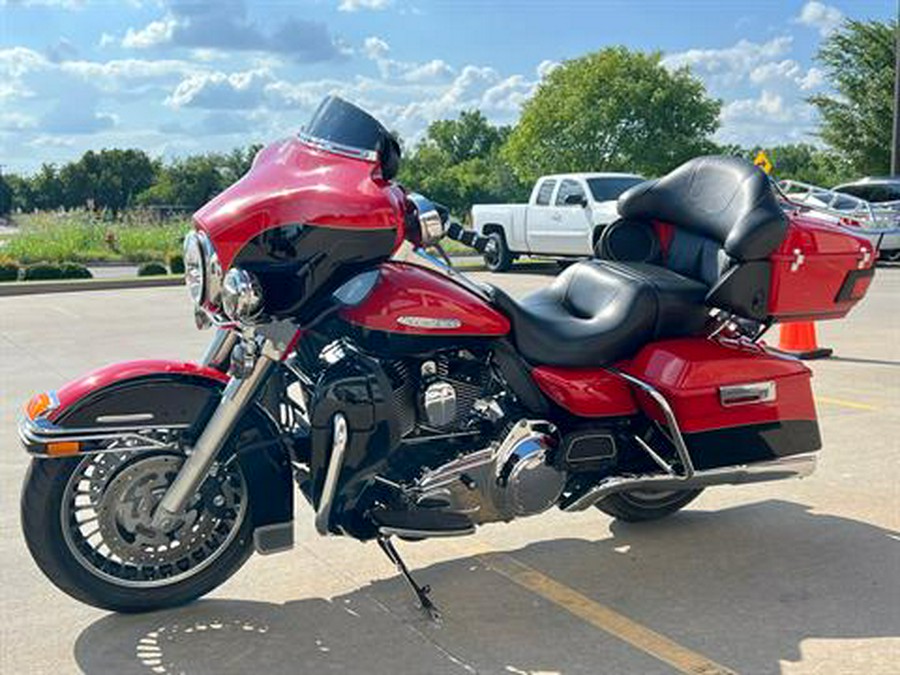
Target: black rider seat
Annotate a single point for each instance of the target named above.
(597, 312)
(725, 223)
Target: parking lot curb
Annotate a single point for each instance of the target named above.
(79, 285)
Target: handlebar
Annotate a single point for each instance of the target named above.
(466, 237)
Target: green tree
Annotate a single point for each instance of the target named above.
(22, 193)
(613, 110)
(6, 196)
(805, 162)
(46, 188)
(458, 163)
(859, 59)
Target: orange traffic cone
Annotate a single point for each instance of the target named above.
(799, 339)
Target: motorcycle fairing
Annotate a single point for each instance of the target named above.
(292, 182)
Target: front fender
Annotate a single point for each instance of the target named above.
(141, 395)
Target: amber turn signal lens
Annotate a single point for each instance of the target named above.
(38, 405)
(63, 448)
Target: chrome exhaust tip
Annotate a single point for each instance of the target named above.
(795, 466)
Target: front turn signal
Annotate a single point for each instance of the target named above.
(63, 448)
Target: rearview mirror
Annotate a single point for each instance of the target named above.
(432, 222)
(575, 200)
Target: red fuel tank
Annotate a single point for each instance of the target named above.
(410, 300)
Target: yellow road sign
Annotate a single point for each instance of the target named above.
(763, 162)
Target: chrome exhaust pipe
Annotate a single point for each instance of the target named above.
(795, 466)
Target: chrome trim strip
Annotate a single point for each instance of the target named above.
(35, 434)
(338, 148)
(127, 417)
(335, 463)
(795, 466)
(424, 534)
(746, 394)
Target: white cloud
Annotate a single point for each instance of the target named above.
(375, 48)
(357, 5)
(767, 119)
(107, 39)
(153, 34)
(820, 16)
(64, 4)
(546, 67)
(433, 71)
(221, 91)
(727, 66)
(14, 121)
(814, 78)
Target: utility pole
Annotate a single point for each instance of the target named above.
(895, 146)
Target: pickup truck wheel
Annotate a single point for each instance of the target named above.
(497, 256)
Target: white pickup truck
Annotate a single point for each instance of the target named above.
(563, 218)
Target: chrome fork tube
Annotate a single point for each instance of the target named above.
(220, 348)
(237, 395)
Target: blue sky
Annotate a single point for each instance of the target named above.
(180, 76)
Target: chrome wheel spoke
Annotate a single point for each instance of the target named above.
(107, 517)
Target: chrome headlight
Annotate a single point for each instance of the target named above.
(202, 271)
(194, 267)
(241, 295)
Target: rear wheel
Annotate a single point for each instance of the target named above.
(641, 505)
(87, 523)
(497, 256)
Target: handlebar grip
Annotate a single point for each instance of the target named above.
(466, 237)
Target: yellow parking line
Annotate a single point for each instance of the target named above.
(845, 403)
(649, 641)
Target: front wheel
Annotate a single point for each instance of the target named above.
(87, 520)
(638, 506)
(497, 256)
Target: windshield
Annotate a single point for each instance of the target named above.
(607, 189)
(341, 123)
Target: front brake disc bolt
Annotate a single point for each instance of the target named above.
(219, 501)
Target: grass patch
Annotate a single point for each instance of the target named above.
(81, 236)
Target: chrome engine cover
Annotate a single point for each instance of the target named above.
(499, 483)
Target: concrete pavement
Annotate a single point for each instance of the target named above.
(792, 577)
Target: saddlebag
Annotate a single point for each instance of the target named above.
(820, 271)
(734, 404)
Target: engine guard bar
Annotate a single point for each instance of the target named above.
(40, 436)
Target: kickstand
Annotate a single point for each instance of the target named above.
(431, 611)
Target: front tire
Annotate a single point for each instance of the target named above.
(110, 575)
(641, 506)
(497, 256)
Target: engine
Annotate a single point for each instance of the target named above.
(506, 480)
(448, 438)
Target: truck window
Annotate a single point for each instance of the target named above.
(567, 189)
(875, 192)
(544, 193)
(607, 189)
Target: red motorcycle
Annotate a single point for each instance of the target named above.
(407, 401)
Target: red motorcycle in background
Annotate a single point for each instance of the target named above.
(407, 401)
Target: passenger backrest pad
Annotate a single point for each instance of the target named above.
(723, 199)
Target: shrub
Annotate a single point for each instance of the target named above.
(9, 270)
(42, 271)
(176, 263)
(73, 270)
(150, 269)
